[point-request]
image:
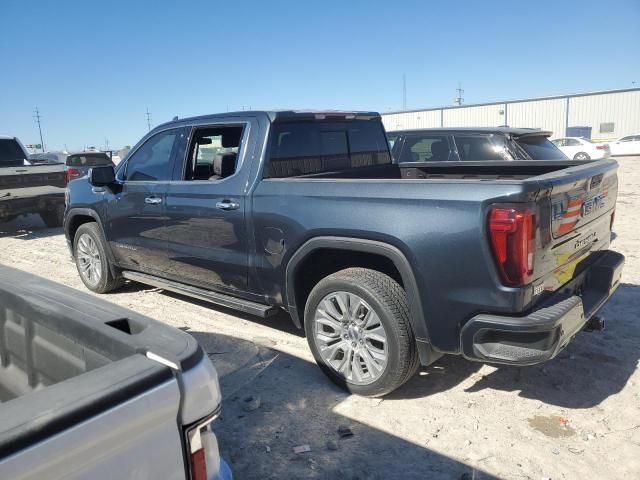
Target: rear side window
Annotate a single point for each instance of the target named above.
(538, 147)
(11, 154)
(88, 160)
(298, 149)
(481, 147)
(425, 148)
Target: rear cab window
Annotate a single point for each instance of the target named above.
(538, 147)
(11, 153)
(307, 148)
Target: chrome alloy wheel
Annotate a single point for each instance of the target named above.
(350, 337)
(88, 258)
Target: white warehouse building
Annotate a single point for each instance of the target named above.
(601, 115)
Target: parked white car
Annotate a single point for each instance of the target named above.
(629, 145)
(577, 148)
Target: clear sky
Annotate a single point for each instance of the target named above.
(93, 67)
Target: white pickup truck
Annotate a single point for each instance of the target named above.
(92, 390)
(27, 186)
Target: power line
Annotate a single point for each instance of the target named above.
(37, 116)
(148, 119)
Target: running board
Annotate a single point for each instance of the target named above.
(228, 301)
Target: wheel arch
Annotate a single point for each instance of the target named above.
(394, 256)
(74, 219)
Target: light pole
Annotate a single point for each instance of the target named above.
(37, 116)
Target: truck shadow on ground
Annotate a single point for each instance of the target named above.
(27, 228)
(298, 407)
(594, 366)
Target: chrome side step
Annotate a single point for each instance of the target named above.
(228, 301)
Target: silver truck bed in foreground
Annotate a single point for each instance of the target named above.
(91, 390)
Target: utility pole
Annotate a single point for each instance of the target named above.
(148, 119)
(37, 116)
(106, 144)
(459, 100)
(404, 92)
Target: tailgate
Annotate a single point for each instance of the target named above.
(31, 181)
(576, 214)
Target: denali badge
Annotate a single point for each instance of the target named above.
(126, 247)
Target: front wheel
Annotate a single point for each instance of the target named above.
(358, 329)
(91, 260)
(582, 156)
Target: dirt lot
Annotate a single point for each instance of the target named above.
(577, 416)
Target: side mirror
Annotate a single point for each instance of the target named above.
(102, 176)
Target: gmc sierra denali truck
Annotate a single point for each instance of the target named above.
(92, 390)
(306, 211)
(27, 186)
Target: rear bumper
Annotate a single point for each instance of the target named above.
(541, 334)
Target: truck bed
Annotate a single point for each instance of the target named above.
(489, 170)
(65, 357)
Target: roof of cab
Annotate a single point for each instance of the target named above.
(516, 132)
(281, 115)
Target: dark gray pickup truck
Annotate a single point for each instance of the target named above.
(306, 211)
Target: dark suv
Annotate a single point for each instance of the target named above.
(472, 144)
(78, 164)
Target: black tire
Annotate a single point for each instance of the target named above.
(582, 156)
(389, 301)
(107, 281)
(53, 218)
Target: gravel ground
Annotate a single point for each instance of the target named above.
(577, 416)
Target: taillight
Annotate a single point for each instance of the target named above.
(70, 174)
(512, 232)
(202, 446)
(601, 147)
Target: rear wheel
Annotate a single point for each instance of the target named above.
(53, 218)
(91, 260)
(358, 329)
(581, 156)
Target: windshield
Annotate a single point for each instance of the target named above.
(11, 153)
(538, 147)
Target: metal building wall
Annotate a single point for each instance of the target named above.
(621, 108)
(545, 114)
(481, 116)
(405, 120)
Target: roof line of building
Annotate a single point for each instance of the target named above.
(520, 100)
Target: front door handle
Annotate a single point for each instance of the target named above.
(152, 200)
(227, 205)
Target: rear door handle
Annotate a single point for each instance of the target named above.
(152, 200)
(227, 205)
